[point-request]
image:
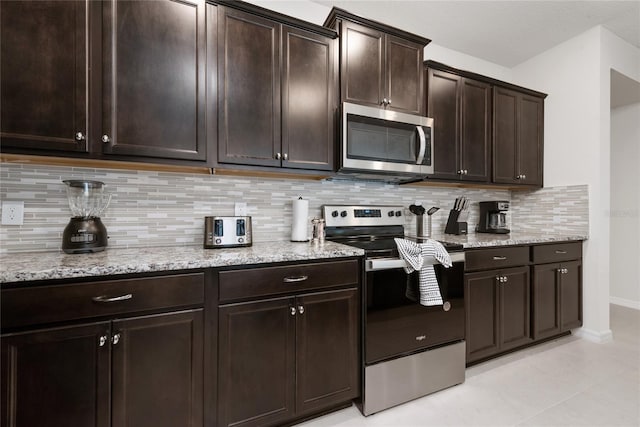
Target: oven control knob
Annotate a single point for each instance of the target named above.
(398, 213)
(240, 240)
(218, 241)
(334, 214)
(390, 213)
(343, 214)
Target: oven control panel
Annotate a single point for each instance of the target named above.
(350, 216)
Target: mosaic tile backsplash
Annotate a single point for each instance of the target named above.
(168, 209)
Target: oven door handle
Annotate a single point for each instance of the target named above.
(377, 264)
(384, 264)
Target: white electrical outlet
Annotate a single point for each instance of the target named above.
(12, 212)
(240, 209)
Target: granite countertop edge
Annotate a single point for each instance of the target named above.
(37, 266)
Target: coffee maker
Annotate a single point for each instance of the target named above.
(493, 217)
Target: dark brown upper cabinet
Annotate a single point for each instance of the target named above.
(380, 66)
(461, 110)
(276, 95)
(518, 134)
(153, 94)
(119, 79)
(44, 75)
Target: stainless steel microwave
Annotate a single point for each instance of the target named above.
(383, 143)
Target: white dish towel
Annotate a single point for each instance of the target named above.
(415, 254)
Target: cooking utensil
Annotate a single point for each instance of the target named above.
(417, 209)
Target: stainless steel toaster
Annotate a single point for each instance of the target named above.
(227, 231)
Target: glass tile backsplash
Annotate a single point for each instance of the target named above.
(168, 209)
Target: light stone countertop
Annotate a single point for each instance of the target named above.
(485, 240)
(31, 266)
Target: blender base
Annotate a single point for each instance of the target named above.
(84, 235)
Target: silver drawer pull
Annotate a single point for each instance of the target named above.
(295, 279)
(499, 258)
(561, 252)
(104, 298)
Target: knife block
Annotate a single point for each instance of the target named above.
(453, 225)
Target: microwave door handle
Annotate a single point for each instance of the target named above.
(423, 145)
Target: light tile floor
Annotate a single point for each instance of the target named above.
(565, 382)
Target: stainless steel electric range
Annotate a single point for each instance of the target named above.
(408, 350)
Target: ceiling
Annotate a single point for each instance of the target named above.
(503, 32)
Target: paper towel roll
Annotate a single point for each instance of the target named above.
(300, 222)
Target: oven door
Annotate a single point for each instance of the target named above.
(386, 141)
(396, 325)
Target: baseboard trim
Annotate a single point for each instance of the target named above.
(629, 303)
(594, 336)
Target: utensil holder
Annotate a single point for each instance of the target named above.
(453, 225)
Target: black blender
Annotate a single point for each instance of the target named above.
(85, 232)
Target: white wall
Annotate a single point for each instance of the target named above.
(625, 206)
(576, 75)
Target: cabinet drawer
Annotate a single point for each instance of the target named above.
(543, 254)
(290, 279)
(57, 303)
(485, 259)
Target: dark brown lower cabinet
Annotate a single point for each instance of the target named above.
(286, 357)
(140, 371)
(497, 307)
(56, 377)
(557, 296)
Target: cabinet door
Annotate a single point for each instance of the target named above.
(256, 363)
(157, 370)
(475, 135)
(153, 79)
(43, 75)
(505, 135)
(308, 100)
(514, 308)
(443, 107)
(546, 300)
(481, 301)
(571, 296)
(326, 349)
(249, 89)
(56, 377)
(530, 139)
(362, 64)
(404, 76)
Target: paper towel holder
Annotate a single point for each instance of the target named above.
(300, 220)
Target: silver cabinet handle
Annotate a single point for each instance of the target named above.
(559, 270)
(115, 339)
(506, 279)
(285, 156)
(301, 309)
(295, 279)
(384, 101)
(292, 310)
(423, 145)
(460, 172)
(278, 156)
(79, 136)
(499, 258)
(106, 139)
(104, 298)
(565, 271)
(561, 252)
(389, 101)
(446, 306)
(102, 340)
(466, 172)
(524, 176)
